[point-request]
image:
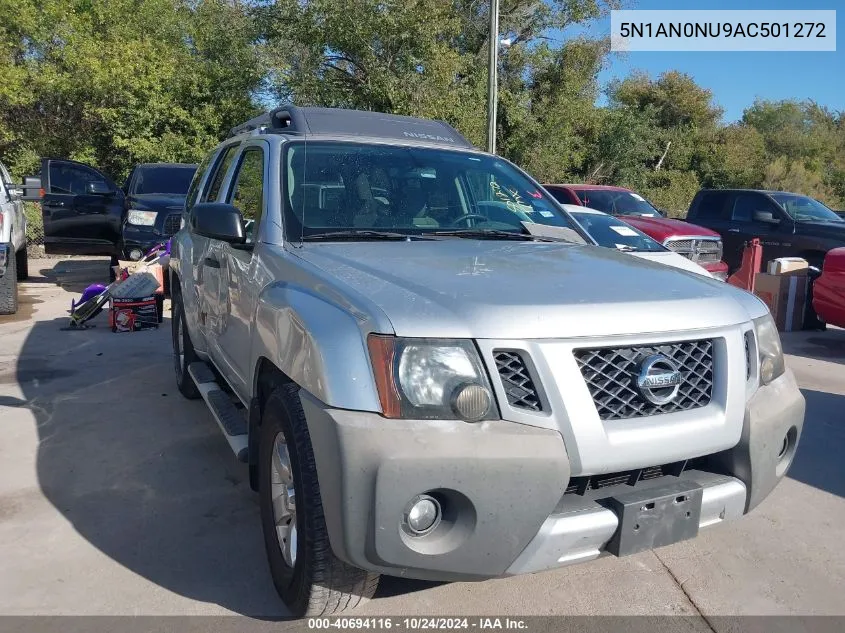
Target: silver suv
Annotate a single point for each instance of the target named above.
(430, 374)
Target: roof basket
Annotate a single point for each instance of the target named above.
(290, 119)
(277, 120)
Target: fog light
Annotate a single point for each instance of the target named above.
(135, 254)
(471, 402)
(423, 515)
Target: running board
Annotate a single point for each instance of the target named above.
(229, 417)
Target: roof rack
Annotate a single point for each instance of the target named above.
(291, 119)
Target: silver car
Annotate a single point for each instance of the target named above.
(432, 372)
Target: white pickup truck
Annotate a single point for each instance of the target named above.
(13, 261)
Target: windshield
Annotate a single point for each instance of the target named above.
(617, 202)
(614, 233)
(164, 180)
(805, 209)
(343, 186)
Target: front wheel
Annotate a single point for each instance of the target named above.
(183, 350)
(309, 578)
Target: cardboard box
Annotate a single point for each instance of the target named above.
(786, 297)
(156, 270)
(787, 266)
(131, 315)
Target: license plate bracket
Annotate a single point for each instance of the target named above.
(654, 517)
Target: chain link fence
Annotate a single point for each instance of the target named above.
(34, 229)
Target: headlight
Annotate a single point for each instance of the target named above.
(430, 379)
(769, 348)
(141, 218)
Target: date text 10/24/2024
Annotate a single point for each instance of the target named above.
(418, 623)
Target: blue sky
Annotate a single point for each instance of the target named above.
(737, 78)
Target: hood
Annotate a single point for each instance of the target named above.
(668, 258)
(527, 290)
(662, 228)
(835, 230)
(156, 202)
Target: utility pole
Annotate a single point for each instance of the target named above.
(492, 76)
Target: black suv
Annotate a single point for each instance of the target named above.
(787, 224)
(155, 196)
(86, 213)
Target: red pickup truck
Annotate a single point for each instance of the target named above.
(829, 289)
(697, 243)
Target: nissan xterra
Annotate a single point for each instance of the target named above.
(432, 373)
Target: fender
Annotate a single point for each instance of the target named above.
(317, 344)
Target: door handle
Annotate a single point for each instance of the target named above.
(733, 230)
(211, 262)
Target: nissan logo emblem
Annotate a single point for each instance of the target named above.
(658, 380)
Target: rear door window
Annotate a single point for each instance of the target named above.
(194, 188)
(713, 205)
(221, 168)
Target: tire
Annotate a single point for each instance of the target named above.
(183, 351)
(318, 583)
(9, 288)
(114, 261)
(22, 264)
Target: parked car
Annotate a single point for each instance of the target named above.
(611, 232)
(696, 243)
(155, 197)
(13, 257)
(787, 224)
(829, 289)
(423, 386)
(86, 213)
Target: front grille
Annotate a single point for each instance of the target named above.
(699, 250)
(582, 485)
(516, 380)
(172, 223)
(610, 374)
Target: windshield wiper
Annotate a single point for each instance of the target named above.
(484, 234)
(357, 234)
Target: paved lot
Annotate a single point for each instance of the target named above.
(117, 496)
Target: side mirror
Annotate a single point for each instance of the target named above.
(15, 193)
(218, 221)
(97, 188)
(766, 216)
(31, 190)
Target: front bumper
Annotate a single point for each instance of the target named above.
(502, 488)
(141, 238)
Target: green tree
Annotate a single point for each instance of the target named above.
(115, 82)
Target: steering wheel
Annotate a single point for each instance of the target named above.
(470, 216)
